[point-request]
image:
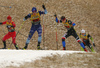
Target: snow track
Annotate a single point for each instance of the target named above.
(17, 57)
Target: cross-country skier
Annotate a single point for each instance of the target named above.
(71, 31)
(11, 32)
(36, 26)
(85, 38)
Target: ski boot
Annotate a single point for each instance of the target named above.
(64, 48)
(16, 47)
(3, 48)
(92, 49)
(25, 47)
(4, 43)
(85, 50)
(39, 48)
(82, 49)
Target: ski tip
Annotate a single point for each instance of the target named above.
(8, 48)
(23, 49)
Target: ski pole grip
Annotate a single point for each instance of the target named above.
(43, 6)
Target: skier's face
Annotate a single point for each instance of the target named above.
(8, 20)
(64, 20)
(34, 13)
(83, 33)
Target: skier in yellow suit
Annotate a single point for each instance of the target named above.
(85, 38)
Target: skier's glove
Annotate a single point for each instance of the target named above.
(8, 26)
(94, 44)
(0, 23)
(43, 6)
(55, 15)
(24, 19)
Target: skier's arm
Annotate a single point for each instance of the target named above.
(56, 19)
(72, 23)
(13, 25)
(26, 17)
(43, 12)
(91, 39)
(2, 23)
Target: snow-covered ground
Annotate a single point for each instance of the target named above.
(17, 57)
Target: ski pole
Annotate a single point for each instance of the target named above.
(56, 32)
(43, 32)
(17, 33)
(95, 48)
(56, 36)
(23, 35)
(6, 6)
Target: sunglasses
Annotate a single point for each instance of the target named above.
(34, 11)
(63, 19)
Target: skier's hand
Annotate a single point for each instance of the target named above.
(55, 15)
(1, 23)
(94, 44)
(8, 26)
(43, 6)
(24, 19)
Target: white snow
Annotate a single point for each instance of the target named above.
(17, 57)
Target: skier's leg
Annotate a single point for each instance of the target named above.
(85, 43)
(78, 40)
(39, 30)
(4, 40)
(82, 47)
(14, 40)
(33, 29)
(66, 35)
(90, 46)
(63, 43)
